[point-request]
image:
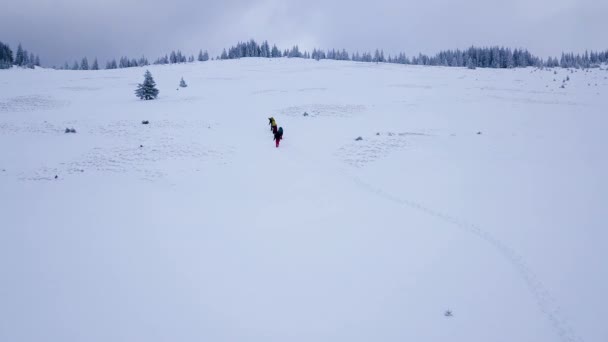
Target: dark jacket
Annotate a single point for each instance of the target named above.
(279, 134)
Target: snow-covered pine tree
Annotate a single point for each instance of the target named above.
(19, 55)
(84, 65)
(37, 61)
(31, 61)
(200, 55)
(143, 61)
(495, 58)
(294, 53)
(470, 63)
(275, 52)
(377, 56)
(509, 59)
(95, 65)
(265, 49)
(147, 90)
(6, 56)
(75, 66)
(26, 58)
(182, 83)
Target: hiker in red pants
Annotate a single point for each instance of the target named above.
(278, 136)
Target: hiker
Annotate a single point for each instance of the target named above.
(278, 136)
(273, 125)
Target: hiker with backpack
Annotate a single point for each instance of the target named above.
(273, 125)
(278, 136)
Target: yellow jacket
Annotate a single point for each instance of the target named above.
(273, 123)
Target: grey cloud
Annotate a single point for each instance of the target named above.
(66, 29)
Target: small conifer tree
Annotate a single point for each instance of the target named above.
(147, 90)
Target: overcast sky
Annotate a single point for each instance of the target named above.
(63, 30)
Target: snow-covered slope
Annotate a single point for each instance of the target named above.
(479, 192)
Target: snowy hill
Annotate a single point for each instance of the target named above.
(473, 208)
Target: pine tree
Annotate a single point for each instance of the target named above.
(182, 83)
(147, 90)
(37, 62)
(200, 56)
(6, 56)
(143, 61)
(75, 66)
(275, 52)
(84, 65)
(95, 65)
(294, 53)
(265, 50)
(31, 61)
(470, 63)
(124, 62)
(19, 56)
(377, 56)
(26, 58)
(509, 59)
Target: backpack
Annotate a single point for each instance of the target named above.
(280, 132)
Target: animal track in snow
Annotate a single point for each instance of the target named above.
(81, 88)
(311, 89)
(148, 151)
(30, 127)
(362, 152)
(30, 103)
(268, 91)
(410, 86)
(134, 128)
(526, 100)
(315, 110)
(547, 304)
(148, 162)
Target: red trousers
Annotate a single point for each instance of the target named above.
(277, 140)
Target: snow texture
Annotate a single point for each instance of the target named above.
(473, 208)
